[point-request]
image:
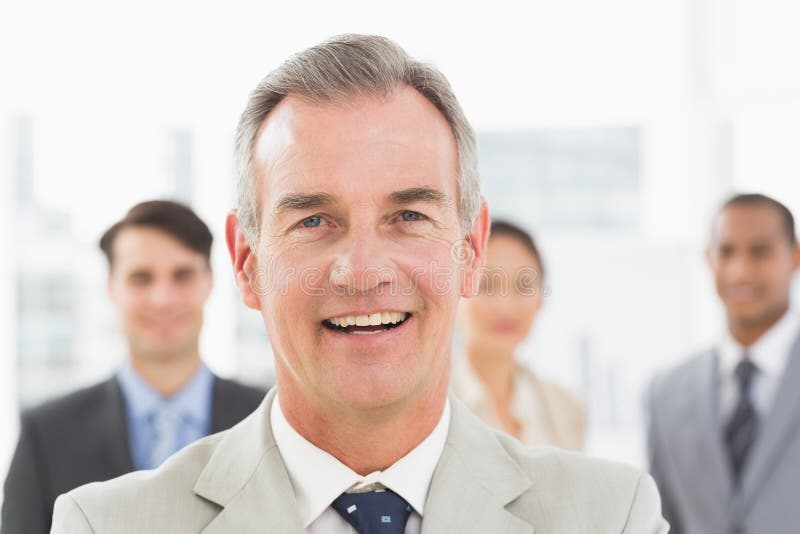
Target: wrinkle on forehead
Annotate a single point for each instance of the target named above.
(302, 142)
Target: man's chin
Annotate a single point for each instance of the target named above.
(165, 350)
(371, 394)
(752, 317)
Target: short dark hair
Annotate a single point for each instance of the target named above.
(756, 199)
(174, 219)
(509, 229)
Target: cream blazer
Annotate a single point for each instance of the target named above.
(548, 414)
(235, 482)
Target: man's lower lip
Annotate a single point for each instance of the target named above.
(741, 297)
(367, 334)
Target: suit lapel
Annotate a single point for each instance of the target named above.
(779, 423)
(247, 478)
(114, 426)
(222, 416)
(473, 482)
(703, 441)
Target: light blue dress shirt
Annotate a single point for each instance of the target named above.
(142, 401)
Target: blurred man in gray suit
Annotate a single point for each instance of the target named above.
(724, 436)
(360, 226)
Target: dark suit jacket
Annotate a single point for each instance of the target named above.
(83, 438)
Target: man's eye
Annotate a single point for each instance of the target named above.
(139, 279)
(311, 222)
(411, 216)
(760, 252)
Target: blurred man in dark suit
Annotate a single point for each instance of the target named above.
(161, 399)
(725, 426)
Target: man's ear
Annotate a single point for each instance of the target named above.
(243, 259)
(474, 253)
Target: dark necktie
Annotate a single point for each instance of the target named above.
(742, 428)
(374, 512)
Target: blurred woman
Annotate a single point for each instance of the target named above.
(486, 376)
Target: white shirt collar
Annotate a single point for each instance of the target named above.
(318, 478)
(770, 353)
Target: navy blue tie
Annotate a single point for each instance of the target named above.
(374, 512)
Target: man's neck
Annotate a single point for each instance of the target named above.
(747, 333)
(166, 374)
(365, 441)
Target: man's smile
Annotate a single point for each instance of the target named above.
(371, 323)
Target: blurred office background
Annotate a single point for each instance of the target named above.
(610, 128)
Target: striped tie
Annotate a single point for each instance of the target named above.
(167, 422)
(742, 428)
(374, 512)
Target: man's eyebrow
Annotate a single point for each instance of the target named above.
(420, 194)
(301, 201)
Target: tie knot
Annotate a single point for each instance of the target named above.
(745, 371)
(374, 512)
(166, 415)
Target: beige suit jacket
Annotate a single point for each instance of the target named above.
(236, 482)
(547, 413)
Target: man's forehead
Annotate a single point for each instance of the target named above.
(370, 149)
(140, 247)
(749, 223)
(297, 125)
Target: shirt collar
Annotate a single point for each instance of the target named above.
(770, 353)
(193, 400)
(318, 478)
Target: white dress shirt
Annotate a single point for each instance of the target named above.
(318, 478)
(770, 354)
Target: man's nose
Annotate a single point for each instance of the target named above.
(738, 268)
(162, 293)
(362, 265)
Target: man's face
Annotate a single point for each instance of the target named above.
(159, 286)
(358, 223)
(753, 262)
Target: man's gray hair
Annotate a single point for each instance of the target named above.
(332, 72)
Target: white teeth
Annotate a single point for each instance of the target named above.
(372, 319)
(365, 332)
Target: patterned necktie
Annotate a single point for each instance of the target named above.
(742, 428)
(374, 512)
(166, 421)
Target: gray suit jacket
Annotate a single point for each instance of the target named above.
(236, 482)
(689, 459)
(82, 438)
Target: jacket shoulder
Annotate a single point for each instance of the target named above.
(68, 407)
(145, 501)
(238, 392)
(232, 402)
(675, 378)
(610, 496)
(569, 469)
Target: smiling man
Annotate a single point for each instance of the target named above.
(163, 396)
(724, 441)
(360, 225)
